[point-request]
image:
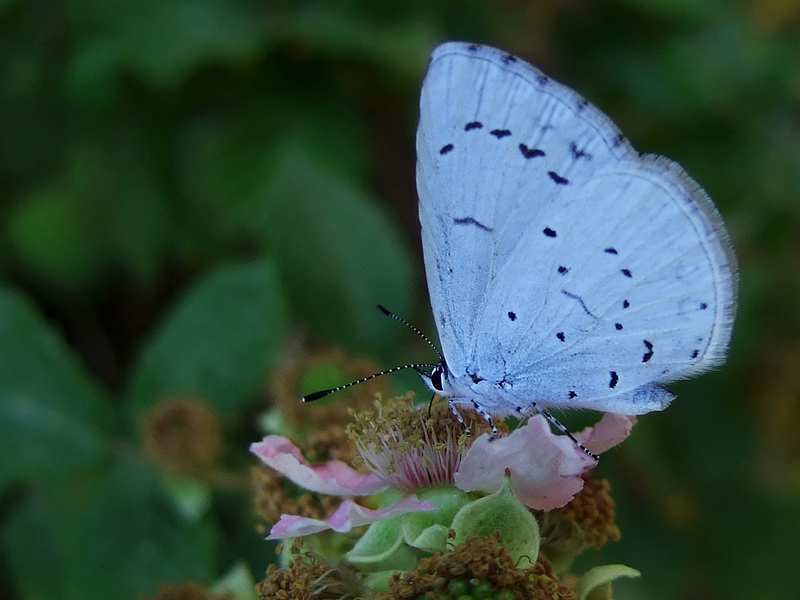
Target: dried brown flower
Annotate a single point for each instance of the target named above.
(307, 577)
(188, 590)
(183, 436)
(588, 520)
(292, 379)
(482, 563)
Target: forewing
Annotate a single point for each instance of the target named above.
(559, 262)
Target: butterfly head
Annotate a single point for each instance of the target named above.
(438, 379)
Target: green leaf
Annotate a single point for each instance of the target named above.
(106, 213)
(501, 512)
(595, 584)
(162, 42)
(218, 343)
(53, 240)
(112, 537)
(398, 43)
(54, 418)
(338, 253)
(688, 11)
(224, 163)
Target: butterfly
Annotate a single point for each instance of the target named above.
(565, 270)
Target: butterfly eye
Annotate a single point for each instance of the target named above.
(436, 377)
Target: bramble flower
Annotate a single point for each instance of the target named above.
(404, 449)
(545, 469)
(316, 429)
(422, 487)
(332, 478)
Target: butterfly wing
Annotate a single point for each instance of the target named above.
(562, 267)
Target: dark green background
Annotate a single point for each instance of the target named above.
(187, 184)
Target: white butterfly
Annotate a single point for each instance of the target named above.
(564, 269)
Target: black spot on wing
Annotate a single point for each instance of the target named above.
(618, 140)
(625, 304)
(626, 272)
(509, 58)
(558, 178)
(473, 47)
(614, 379)
(445, 149)
(500, 133)
(530, 152)
(610, 251)
(703, 306)
(542, 79)
(471, 221)
(473, 125)
(695, 353)
(560, 336)
(649, 354)
(618, 326)
(572, 394)
(549, 232)
(582, 104)
(563, 270)
(512, 315)
(576, 153)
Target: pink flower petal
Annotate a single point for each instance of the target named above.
(545, 469)
(333, 478)
(348, 515)
(607, 432)
(291, 526)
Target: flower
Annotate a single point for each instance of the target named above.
(275, 495)
(334, 478)
(406, 450)
(409, 448)
(545, 469)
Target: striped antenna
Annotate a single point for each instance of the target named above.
(389, 313)
(419, 367)
(321, 394)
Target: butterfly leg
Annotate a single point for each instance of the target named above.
(477, 408)
(535, 408)
(453, 409)
(486, 417)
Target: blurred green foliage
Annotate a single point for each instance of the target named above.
(188, 185)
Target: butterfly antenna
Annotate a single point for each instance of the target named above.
(388, 313)
(419, 367)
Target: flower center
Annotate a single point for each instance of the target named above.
(409, 447)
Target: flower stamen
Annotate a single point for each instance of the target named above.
(407, 449)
